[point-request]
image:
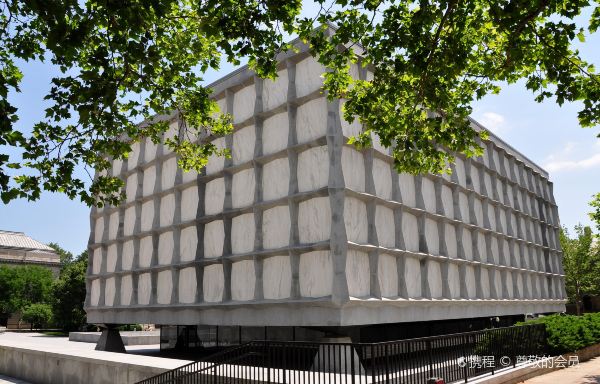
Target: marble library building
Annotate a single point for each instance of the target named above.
(300, 236)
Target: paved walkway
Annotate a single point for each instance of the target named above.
(584, 373)
(10, 380)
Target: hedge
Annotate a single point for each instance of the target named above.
(568, 333)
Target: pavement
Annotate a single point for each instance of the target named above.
(583, 373)
(10, 380)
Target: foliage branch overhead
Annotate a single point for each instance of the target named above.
(122, 62)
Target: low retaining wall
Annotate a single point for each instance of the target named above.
(47, 367)
(532, 370)
(128, 337)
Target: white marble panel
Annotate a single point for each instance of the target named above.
(134, 156)
(382, 175)
(214, 236)
(485, 283)
(509, 192)
(463, 206)
(111, 258)
(495, 251)
(316, 274)
(487, 180)
(242, 188)
(475, 179)
(506, 252)
(428, 192)
(126, 289)
(171, 133)
(412, 276)
(509, 285)
(529, 286)
(129, 221)
(117, 167)
(353, 167)
(97, 261)
(144, 289)
(517, 253)
(168, 173)
(384, 224)
(459, 165)
(242, 233)
(355, 219)
(311, 120)
(113, 225)
(309, 76)
(275, 91)
(410, 232)
(149, 180)
(520, 199)
(189, 203)
(349, 129)
(165, 248)
(276, 179)
(187, 285)
(500, 189)
(95, 292)
(188, 243)
(467, 241)
(243, 104)
(481, 247)
(313, 169)
(491, 212)
(188, 176)
(470, 282)
(275, 133)
(214, 196)
(432, 237)
(213, 283)
(145, 253)
(147, 215)
(519, 292)
(131, 187)
(164, 287)
(277, 277)
(216, 163)
(434, 279)
(357, 273)
(243, 144)
(450, 237)
(276, 227)
(498, 283)
(243, 279)
(406, 183)
(454, 281)
(447, 202)
(314, 220)
(127, 255)
(149, 150)
(478, 209)
(167, 210)
(387, 274)
(99, 229)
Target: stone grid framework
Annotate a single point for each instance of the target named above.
(299, 228)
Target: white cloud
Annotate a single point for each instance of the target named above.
(492, 121)
(573, 165)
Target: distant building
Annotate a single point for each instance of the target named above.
(300, 229)
(16, 248)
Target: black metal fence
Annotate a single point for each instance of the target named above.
(454, 358)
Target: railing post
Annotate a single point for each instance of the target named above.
(430, 356)
(465, 357)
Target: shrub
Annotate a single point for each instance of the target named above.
(130, 327)
(38, 315)
(567, 333)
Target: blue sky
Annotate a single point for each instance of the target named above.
(546, 133)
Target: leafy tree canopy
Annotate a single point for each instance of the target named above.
(22, 286)
(68, 294)
(125, 61)
(581, 261)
